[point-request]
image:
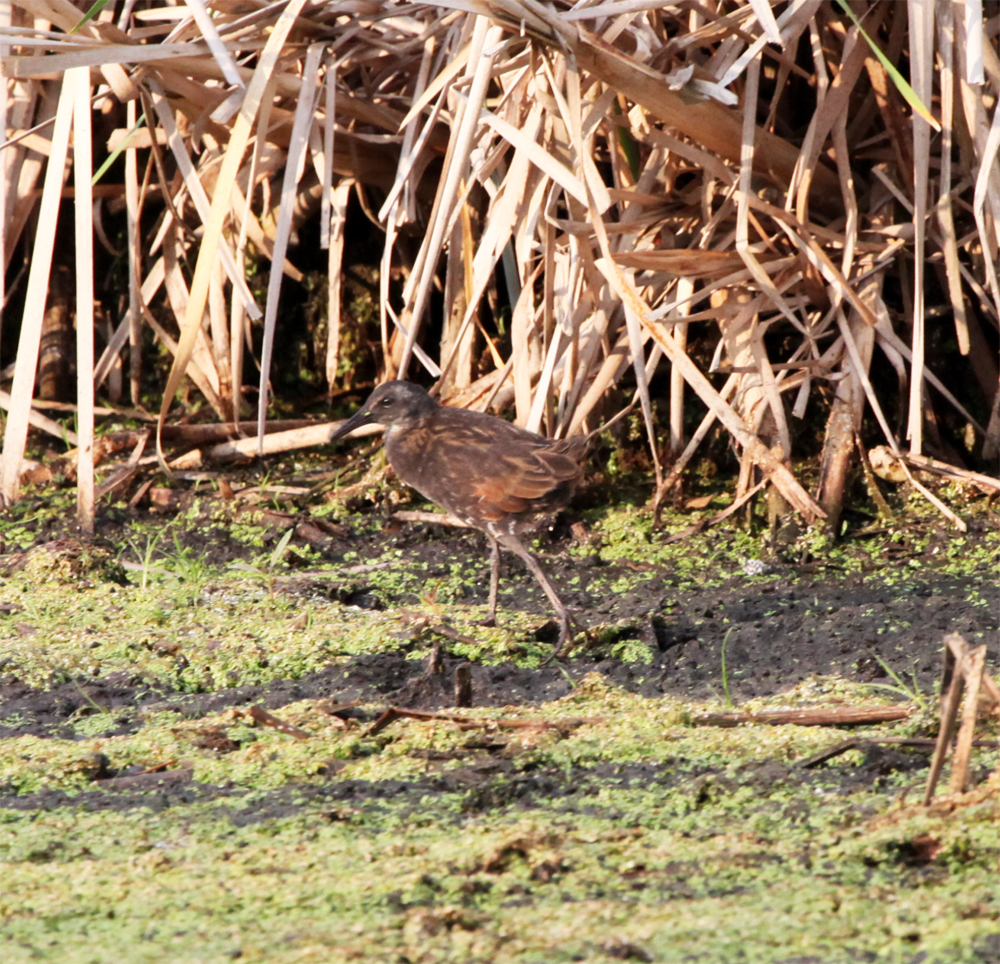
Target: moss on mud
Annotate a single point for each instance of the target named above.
(166, 825)
(619, 824)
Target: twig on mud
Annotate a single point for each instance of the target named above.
(960, 524)
(343, 715)
(123, 473)
(419, 622)
(261, 717)
(435, 518)
(863, 741)
(158, 767)
(394, 713)
(290, 440)
(717, 518)
(816, 716)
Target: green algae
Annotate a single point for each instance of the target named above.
(618, 824)
(425, 881)
(619, 828)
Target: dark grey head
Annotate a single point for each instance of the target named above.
(394, 403)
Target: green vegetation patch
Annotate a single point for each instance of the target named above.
(599, 825)
(602, 826)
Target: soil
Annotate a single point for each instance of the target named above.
(759, 637)
(778, 636)
(793, 632)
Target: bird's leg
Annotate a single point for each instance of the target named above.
(491, 617)
(565, 628)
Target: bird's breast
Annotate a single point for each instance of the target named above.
(413, 455)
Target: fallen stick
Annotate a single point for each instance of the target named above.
(861, 742)
(817, 716)
(261, 717)
(287, 441)
(394, 713)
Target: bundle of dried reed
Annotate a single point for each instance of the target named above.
(653, 178)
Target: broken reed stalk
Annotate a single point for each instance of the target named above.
(962, 669)
(862, 742)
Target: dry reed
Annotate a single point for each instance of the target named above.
(647, 178)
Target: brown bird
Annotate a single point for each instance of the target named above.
(489, 473)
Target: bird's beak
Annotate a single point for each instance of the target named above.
(359, 418)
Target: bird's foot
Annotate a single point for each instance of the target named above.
(565, 643)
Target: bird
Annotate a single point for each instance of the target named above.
(491, 474)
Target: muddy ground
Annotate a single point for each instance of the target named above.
(782, 623)
(663, 633)
(781, 631)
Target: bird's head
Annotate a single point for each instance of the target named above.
(393, 404)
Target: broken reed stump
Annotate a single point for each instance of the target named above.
(463, 685)
(563, 726)
(963, 669)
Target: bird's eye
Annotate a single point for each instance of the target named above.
(385, 402)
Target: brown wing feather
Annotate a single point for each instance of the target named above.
(517, 481)
(484, 469)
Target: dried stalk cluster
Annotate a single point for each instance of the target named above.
(653, 178)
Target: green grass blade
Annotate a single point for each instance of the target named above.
(94, 10)
(898, 79)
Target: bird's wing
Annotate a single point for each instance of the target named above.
(510, 478)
